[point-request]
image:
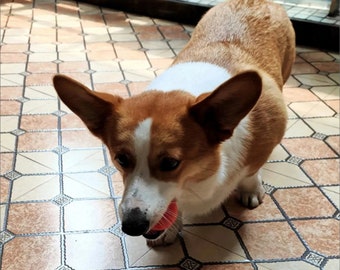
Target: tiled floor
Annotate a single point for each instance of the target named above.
(309, 10)
(59, 193)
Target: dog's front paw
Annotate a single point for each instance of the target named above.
(168, 237)
(251, 192)
(252, 199)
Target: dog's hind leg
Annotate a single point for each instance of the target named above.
(251, 191)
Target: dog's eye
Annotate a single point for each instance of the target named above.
(169, 164)
(123, 160)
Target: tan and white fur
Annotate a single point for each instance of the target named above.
(207, 124)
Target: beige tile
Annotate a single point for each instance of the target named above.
(11, 80)
(311, 109)
(284, 175)
(142, 255)
(37, 163)
(278, 154)
(139, 75)
(335, 77)
(107, 77)
(86, 185)
(40, 107)
(13, 68)
(9, 123)
(90, 215)
(325, 125)
(94, 251)
(333, 193)
(332, 264)
(37, 187)
(108, 66)
(3, 211)
(213, 244)
(134, 65)
(40, 92)
(297, 128)
(83, 160)
(7, 142)
(314, 79)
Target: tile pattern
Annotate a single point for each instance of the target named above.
(59, 192)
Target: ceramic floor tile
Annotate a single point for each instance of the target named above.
(38, 122)
(40, 251)
(89, 185)
(71, 139)
(90, 215)
(304, 202)
(323, 172)
(308, 148)
(94, 251)
(35, 188)
(33, 141)
(320, 234)
(59, 193)
(30, 218)
(277, 242)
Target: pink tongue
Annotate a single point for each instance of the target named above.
(168, 218)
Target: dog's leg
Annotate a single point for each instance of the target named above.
(169, 236)
(251, 191)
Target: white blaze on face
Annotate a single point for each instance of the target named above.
(141, 189)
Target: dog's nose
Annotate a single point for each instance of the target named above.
(135, 223)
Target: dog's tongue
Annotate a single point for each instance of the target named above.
(169, 217)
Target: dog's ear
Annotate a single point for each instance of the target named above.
(93, 108)
(221, 111)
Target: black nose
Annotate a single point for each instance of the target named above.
(135, 223)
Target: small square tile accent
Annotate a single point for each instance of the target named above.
(62, 200)
(6, 236)
(190, 264)
(314, 258)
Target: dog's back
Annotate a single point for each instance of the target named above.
(248, 32)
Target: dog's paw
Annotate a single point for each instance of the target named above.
(251, 192)
(252, 200)
(168, 237)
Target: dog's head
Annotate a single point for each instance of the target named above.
(161, 141)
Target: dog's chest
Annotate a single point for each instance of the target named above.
(193, 77)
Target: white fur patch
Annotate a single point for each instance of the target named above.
(141, 189)
(142, 144)
(194, 77)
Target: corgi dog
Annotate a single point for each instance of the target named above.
(204, 127)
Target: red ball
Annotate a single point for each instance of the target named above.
(169, 217)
